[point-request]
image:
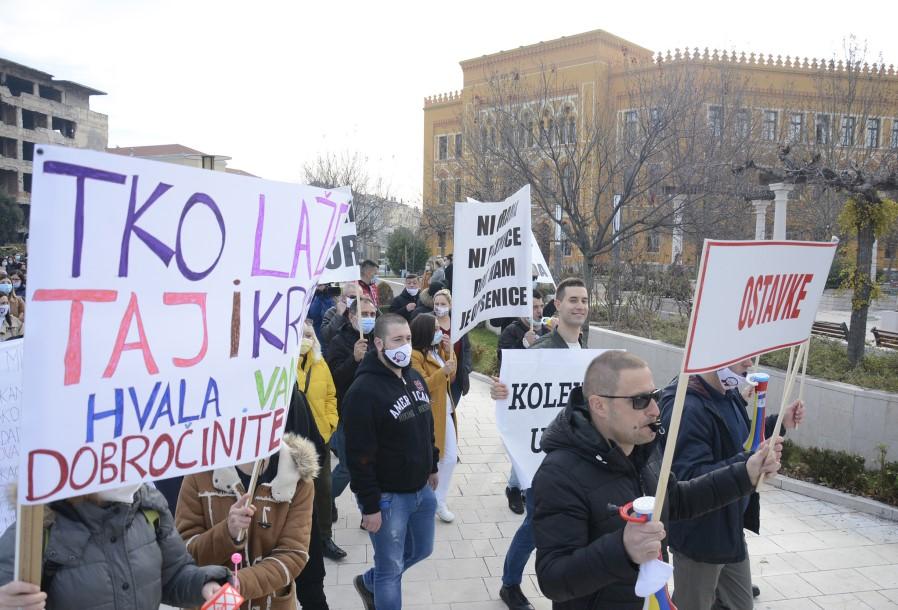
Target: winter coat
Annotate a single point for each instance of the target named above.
(400, 303)
(704, 444)
(553, 340)
(513, 337)
(425, 301)
(341, 362)
(111, 557)
(315, 380)
(581, 561)
(438, 388)
(389, 432)
(10, 328)
(275, 548)
(321, 302)
(331, 325)
(370, 291)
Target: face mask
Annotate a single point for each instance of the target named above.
(412, 291)
(399, 356)
(441, 312)
(437, 337)
(536, 323)
(375, 279)
(16, 284)
(305, 345)
(124, 495)
(730, 380)
(349, 302)
(4, 309)
(5, 288)
(368, 325)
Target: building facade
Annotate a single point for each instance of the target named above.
(760, 102)
(37, 109)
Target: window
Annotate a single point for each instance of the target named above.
(796, 127)
(848, 125)
(631, 124)
(742, 123)
(443, 148)
(484, 141)
(567, 181)
(441, 240)
(572, 129)
(444, 191)
(655, 115)
(769, 125)
(458, 146)
(9, 148)
(894, 140)
(872, 137)
(27, 151)
(26, 182)
(33, 120)
(548, 127)
(653, 242)
(715, 121)
(458, 189)
(823, 129)
(208, 161)
(566, 248)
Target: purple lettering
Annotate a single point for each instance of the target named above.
(206, 200)
(159, 249)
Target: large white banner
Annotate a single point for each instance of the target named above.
(165, 314)
(492, 274)
(540, 266)
(539, 386)
(343, 265)
(759, 296)
(10, 416)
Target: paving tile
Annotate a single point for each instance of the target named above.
(793, 585)
(885, 576)
(843, 601)
(461, 590)
(839, 581)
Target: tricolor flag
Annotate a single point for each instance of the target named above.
(756, 434)
(660, 600)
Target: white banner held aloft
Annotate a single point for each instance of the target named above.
(343, 265)
(759, 295)
(492, 273)
(10, 416)
(539, 385)
(540, 266)
(165, 313)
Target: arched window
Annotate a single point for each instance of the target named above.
(567, 182)
(443, 191)
(571, 129)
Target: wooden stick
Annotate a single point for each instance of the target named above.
(804, 369)
(358, 312)
(790, 381)
(257, 468)
(671, 445)
(29, 543)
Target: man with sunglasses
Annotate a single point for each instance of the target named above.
(711, 563)
(602, 452)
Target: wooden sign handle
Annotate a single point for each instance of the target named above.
(29, 543)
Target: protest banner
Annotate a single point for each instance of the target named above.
(539, 385)
(165, 315)
(491, 277)
(540, 266)
(343, 265)
(10, 415)
(751, 297)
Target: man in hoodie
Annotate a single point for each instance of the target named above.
(711, 563)
(393, 458)
(602, 451)
(407, 301)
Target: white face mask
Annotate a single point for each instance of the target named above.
(124, 494)
(437, 337)
(731, 380)
(399, 356)
(441, 312)
(349, 302)
(305, 345)
(4, 309)
(412, 291)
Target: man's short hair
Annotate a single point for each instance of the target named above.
(354, 309)
(537, 294)
(411, 276)
(368, 264)
(568, 283)
(603, 372)
(384, 322)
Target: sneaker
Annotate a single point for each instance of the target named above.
(366, 595)
(445, 515)
(515, 500)
(514, 598)
(755, 590)
(332, 551)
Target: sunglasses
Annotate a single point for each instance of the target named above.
(640, 401)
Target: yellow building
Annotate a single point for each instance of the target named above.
(761, 102)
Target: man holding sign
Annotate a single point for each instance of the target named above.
(602, 451)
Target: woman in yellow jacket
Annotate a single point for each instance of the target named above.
(434, 358)
(315, 381)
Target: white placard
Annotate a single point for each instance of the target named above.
(165, 312)
(10, 416)
(540, 266)
(758, 295)
(343, 265)
(491, 272)
(539, 385)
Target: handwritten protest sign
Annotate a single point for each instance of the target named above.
(760, 295)
(164, 318)
(343, 265)
(10, 414)
(491, 276)
(539, 386)
(540, 266)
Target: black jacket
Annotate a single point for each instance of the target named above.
(390, 445)
(704, 443)
(399, 304)
(513, 336)
(553, 340)
(581, 562)
(341, 362)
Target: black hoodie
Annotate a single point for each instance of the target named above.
(581, 561)
(389, 432)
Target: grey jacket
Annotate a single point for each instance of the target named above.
(112, 558)
(331, 325)
(553, 341)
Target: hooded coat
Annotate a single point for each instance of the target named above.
(315, 380)
(275, 548)
(581, 561)
(438, 387)
(110, 557)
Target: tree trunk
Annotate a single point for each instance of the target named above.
(589, 280)
(863, 288)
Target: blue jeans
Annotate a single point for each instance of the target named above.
(513, 478)
(340, 474)
(521, 546)
(405, 537)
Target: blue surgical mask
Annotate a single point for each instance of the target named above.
(368, 325)
(5, 288)
(437, 337)
(375, 279)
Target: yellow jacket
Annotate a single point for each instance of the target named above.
(321, 392)
(438, 386)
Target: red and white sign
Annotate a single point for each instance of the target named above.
(754, 297)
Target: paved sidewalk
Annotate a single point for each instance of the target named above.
(811, 554)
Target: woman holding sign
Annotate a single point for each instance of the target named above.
(432, 356)
(442, 307)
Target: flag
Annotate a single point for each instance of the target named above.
(756, 433)
(660, 600)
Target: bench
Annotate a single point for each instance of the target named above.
(885, 338)
(833, 330)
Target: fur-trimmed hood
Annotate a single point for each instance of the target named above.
(298, 461)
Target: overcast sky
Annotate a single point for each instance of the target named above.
(273, 84)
